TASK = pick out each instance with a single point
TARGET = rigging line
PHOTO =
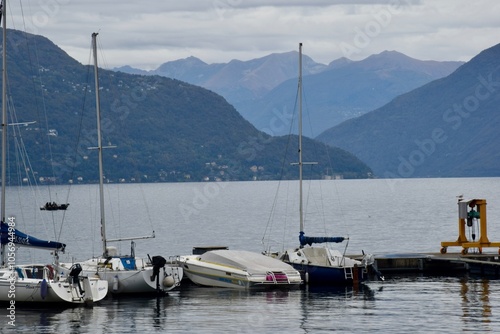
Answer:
(22, 160)
(330, 165)
(308, 113)
(282, 170)
(35, 75)
(116, 221)
(43, 134)
(94, 221)
(147, 207)
(318, 209)
(73, 162)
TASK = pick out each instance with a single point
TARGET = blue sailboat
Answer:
(321, 265)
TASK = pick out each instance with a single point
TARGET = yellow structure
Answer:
(469, 213)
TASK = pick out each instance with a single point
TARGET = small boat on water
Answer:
(53, 206)
(239, 270)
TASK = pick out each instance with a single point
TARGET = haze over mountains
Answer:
(404, 117)
(447, 128)
(264, 90)
(170, 130)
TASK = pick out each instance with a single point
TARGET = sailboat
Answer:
(126, 274)
(35, 283)
(41, 283)
(320, 265)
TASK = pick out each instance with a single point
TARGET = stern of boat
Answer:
(165, 278)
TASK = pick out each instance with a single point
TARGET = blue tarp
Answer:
(22, 239)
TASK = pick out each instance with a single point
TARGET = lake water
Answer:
(378, 216)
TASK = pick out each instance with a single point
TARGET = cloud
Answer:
(146, 34)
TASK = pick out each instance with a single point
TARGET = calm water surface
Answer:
(379, 216)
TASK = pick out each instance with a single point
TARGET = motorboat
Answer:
(239, 269)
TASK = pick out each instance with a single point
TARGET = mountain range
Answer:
(263, 90)
(446, 128)
(170, 130)
(164, 129)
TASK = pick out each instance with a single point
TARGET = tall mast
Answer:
(4, 117)
(301, 210)
(99, 145)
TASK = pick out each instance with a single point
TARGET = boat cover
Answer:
(253, 263)
(305, 240)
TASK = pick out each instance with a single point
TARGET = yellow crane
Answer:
(471, 212)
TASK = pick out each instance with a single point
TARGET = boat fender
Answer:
(307, 277)
(44, 287)
(115, 283)
(168, 281)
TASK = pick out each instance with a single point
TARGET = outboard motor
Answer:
(158, 262)
(369, 261)
(74, 272)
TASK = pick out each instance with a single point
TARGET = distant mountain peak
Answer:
(337, 63)
(445, 128)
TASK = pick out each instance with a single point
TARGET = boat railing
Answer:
(277, 277)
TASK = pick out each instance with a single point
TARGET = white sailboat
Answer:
(125, 274)
(34, 283)
(320, 265)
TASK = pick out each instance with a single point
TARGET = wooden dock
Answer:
(454, 264)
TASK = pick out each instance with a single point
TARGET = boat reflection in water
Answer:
(453, 304)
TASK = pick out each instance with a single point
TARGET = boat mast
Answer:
(99, 145)
(4, 117)
(301, 210)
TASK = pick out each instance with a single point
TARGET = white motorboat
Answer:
(239, 269)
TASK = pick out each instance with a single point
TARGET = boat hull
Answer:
(43, 290)
(321, 275)
(325, 266)
(140, 279)
(239, 270)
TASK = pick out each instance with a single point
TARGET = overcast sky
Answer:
(147, 33)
